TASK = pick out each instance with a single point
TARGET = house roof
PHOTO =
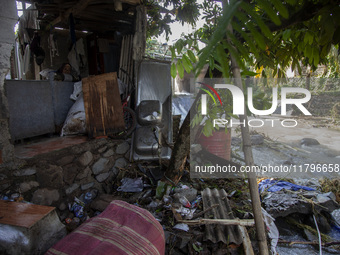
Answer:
(100, 16)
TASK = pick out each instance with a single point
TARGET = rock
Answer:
(71, 188)
(121, 163)
(3, 177)
(309, 142)
(51, 177)
(66, 160)
(87, 186)
(122, 148)
(256, 139)
(108, 154)
(86, 158)
(236, 141)
(83, 174)
(62, 206)
(100, 166)
(45, 196)
(102, 177)
(114, 171)
(101, 150)
(25, 172)
(70, 172)
(26, 186)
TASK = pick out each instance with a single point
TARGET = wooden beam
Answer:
(78, 7)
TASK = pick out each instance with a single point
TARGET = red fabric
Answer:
(121, 229)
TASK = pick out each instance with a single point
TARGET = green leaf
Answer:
(316, 56)
(173, 53)
(211, 62)
(179, 46)
(173, 70)
(191, 56)
(223, 60)
(281, 8)
(180, 69)
(218, 34)
(267, 7)
(250, 11)
(248, 73)
(187, 64)
(286, 34)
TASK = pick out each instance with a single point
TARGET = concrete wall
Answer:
(8, 19)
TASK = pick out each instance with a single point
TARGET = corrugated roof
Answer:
(219, 233)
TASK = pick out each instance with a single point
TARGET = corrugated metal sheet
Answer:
(219, 233)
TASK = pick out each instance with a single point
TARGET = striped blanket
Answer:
(121, 229)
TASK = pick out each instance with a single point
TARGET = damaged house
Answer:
(122, 97)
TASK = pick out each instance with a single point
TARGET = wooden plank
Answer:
(103, 107)
(22, 214)
(77, 8)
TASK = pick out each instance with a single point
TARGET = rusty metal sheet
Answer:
(219, 233)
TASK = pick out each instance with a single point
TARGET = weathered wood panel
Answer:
(103, 108)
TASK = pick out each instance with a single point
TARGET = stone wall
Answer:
(8, 18)
(56, 178)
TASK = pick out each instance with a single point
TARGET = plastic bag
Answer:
(77, 90)
(75, 120)
(131, 185)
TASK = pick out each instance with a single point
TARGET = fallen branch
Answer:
(308, 242)
(219, 221)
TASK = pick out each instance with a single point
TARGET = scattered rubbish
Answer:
(131, 185)
(186, 213)
(77, 208)
(68, 220)
(274, 185)
(185, 202)
(273, 232)
(161, 189)
(285, 202)
(182, 226)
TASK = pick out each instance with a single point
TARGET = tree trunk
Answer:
(181, 148)
(248, 154)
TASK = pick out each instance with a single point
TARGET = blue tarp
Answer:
(274, 185)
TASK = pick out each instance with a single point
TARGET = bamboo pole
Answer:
(227, 222)
(248, 154)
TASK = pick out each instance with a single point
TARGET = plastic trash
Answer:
(131, 185)
(77, 208)
(274, 185)
(185, 202)
(273, 232)
(196, 202)
(77, 89)
(182, 226)
(186, 213)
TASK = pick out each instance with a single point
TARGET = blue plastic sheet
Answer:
(274, 185)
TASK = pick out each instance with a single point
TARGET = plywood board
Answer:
(22, 214)
(103, 108)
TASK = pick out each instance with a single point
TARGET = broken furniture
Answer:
(121, 228)
(28, 228)
(103, 107)
(154, 112)
(37, 107)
